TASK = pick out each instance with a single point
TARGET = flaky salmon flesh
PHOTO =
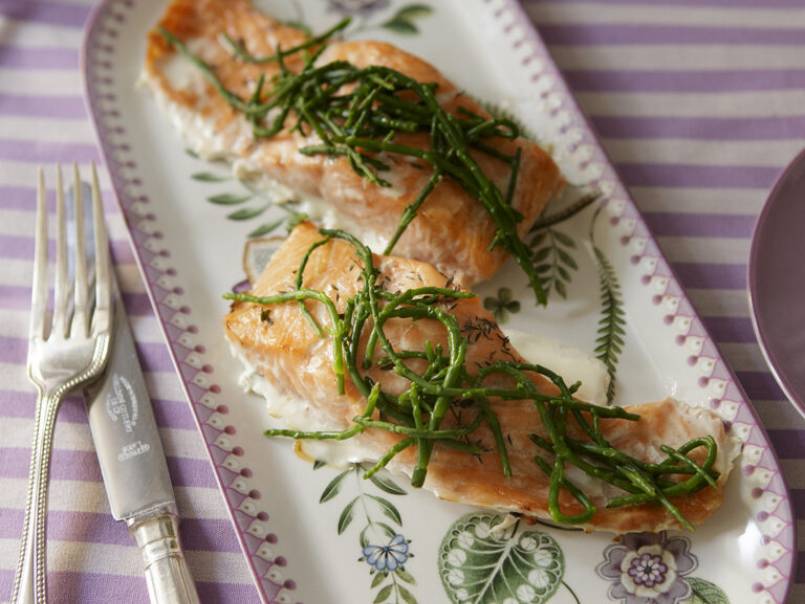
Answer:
(280, 345)
(452, 230)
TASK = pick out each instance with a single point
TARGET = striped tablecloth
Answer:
(699, 103)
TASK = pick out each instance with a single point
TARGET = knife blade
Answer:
(133, 464)
(124, 430)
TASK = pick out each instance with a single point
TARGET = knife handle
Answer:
(166, 572)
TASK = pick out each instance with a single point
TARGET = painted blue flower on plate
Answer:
(387, 558)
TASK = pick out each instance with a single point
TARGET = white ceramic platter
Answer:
(190, 253)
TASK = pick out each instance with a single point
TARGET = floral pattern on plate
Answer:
(382, 546)
(111, 63)
(654, 568)
(483, 559)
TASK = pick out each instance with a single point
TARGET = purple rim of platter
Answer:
(777, 281)
(202, 397)
(513, 21)
(758, 436)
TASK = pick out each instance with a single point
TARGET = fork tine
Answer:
(103, 278)
(81, 311)
(39, 291)
(61, 296)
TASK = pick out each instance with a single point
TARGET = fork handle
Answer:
(30, 582)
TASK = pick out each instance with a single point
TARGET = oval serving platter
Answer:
(299, 524)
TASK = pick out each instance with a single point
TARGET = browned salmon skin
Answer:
(452, 230)
(284, 350)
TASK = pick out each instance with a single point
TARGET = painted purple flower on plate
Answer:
(357, 7)
(648, 568)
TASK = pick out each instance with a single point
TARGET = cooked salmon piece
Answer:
(451, 231)
(294, 364)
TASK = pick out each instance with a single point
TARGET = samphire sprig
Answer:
(361, 113)
(573, 434)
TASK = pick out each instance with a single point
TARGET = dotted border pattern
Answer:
(727, 398)
(153, 258)
(759, 463)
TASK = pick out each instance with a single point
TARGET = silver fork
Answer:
(67, 348)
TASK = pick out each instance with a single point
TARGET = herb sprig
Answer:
(447, 385)
(360, 113)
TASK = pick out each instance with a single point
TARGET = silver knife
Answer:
(134, 469)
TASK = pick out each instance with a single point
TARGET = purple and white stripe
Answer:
(91, 557)
(700, 105)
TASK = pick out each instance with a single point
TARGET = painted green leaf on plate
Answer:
(266, 229)
(403, 20)
(385, 483)
(378, 579)
(406, 595)
(228, 199)
(482, 564)
(388, 509)
(247, 213)
(383, 594)
(705, 592)
(345, 518)
(401, 26)
(414, 10)
(208, 177)
(331, 490)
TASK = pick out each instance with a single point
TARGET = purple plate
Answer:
(777, 281)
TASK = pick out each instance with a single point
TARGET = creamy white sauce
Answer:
(326, 215)
(290, 412)
(196, 131)
(247, 170)
(571, 363)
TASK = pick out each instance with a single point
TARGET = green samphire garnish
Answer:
(358, 113)
(446, 385)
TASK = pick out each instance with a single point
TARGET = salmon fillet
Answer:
(281, 347)
(452, 230)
